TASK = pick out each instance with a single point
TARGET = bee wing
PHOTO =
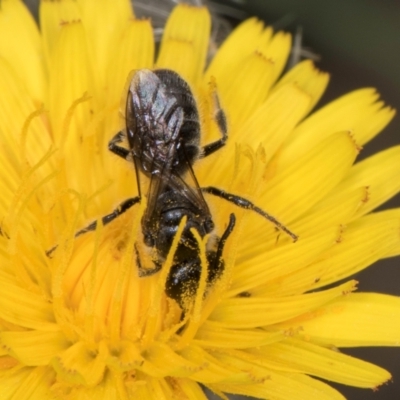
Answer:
(159, 108)
(161, 178)
(188, 185)
(158, 184)
(184, 183)
(153, 123)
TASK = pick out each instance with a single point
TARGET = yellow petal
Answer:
(308, 79)
(246, 39)
(22, 216)
(25, 138)
(113, 13)
(337, 209)
(278, 51)
(123, 332)
(358, 112)
(394, 252)
(329, 364)
(361, 319)
(261, 272)
(20, 45)
(69, 81)
(164, 361)
(184, 46)
(249, 312)
(153, 389)
(248, 88)
(188, 389)
(306, 180)
(361, 244)
(81, 364)
(52, 15)
(28, 384)
(269, 383)
(34, 348)
(214, 335)
(212, 369)
(13, 101)
(103, 28)
(276, 118)
(370, 172)
(22, 307)
(364, 242)
(135, 50)
(254, 64)
(125, 356)
(111, 388)
(273, 121)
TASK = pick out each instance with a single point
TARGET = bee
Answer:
(162, 139)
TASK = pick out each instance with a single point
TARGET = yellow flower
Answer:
(82, 324)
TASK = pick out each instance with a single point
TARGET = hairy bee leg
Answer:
(216, 263)
(220, 119)
(146, 271)
(123, 207)
(224, 237)
(248, 205)
(118, 150)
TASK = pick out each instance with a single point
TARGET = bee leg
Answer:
(220, 119)
(146, 271)
(248, 205)
(118, 150)
(123, 207)
(215, 260)
(224, 237)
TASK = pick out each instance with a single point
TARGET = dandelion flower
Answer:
(82, 324)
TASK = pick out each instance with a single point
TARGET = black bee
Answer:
(163, 141)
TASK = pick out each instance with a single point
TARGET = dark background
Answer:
(358, 42)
